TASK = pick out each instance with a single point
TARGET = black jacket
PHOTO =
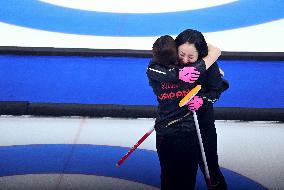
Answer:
(169, 90)
(212, 85)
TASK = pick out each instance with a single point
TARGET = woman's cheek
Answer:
(192, 60)
(183, 63)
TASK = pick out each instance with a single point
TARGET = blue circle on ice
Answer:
(39, 15)
(142, 166)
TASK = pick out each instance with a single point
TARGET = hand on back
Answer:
(189, 74)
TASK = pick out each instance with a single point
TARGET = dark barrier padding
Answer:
(130, 111)
(250, 114)
(91, 110)
(50, 51)
(14, 108)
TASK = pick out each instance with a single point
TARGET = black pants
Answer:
(209, 137)
(178, 155)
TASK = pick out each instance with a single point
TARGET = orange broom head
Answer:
(189, 96)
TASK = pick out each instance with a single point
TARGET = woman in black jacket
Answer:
(191, 48)
(176, 139)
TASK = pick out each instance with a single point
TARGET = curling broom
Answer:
(184, 101)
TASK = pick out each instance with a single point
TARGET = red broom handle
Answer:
(134, 147)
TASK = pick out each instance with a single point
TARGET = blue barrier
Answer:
(122, 80)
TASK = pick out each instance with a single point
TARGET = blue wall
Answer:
(122, 80)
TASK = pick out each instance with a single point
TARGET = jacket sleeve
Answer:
(214, 85)
(164, 74)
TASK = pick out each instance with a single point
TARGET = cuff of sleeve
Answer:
(201, 67)
(207, 100)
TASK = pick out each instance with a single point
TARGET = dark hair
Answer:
(165, 51)
(193, 37)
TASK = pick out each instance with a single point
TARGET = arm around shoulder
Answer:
(213, 54)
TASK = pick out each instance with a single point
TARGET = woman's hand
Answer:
(189, 74)
(195, 103)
